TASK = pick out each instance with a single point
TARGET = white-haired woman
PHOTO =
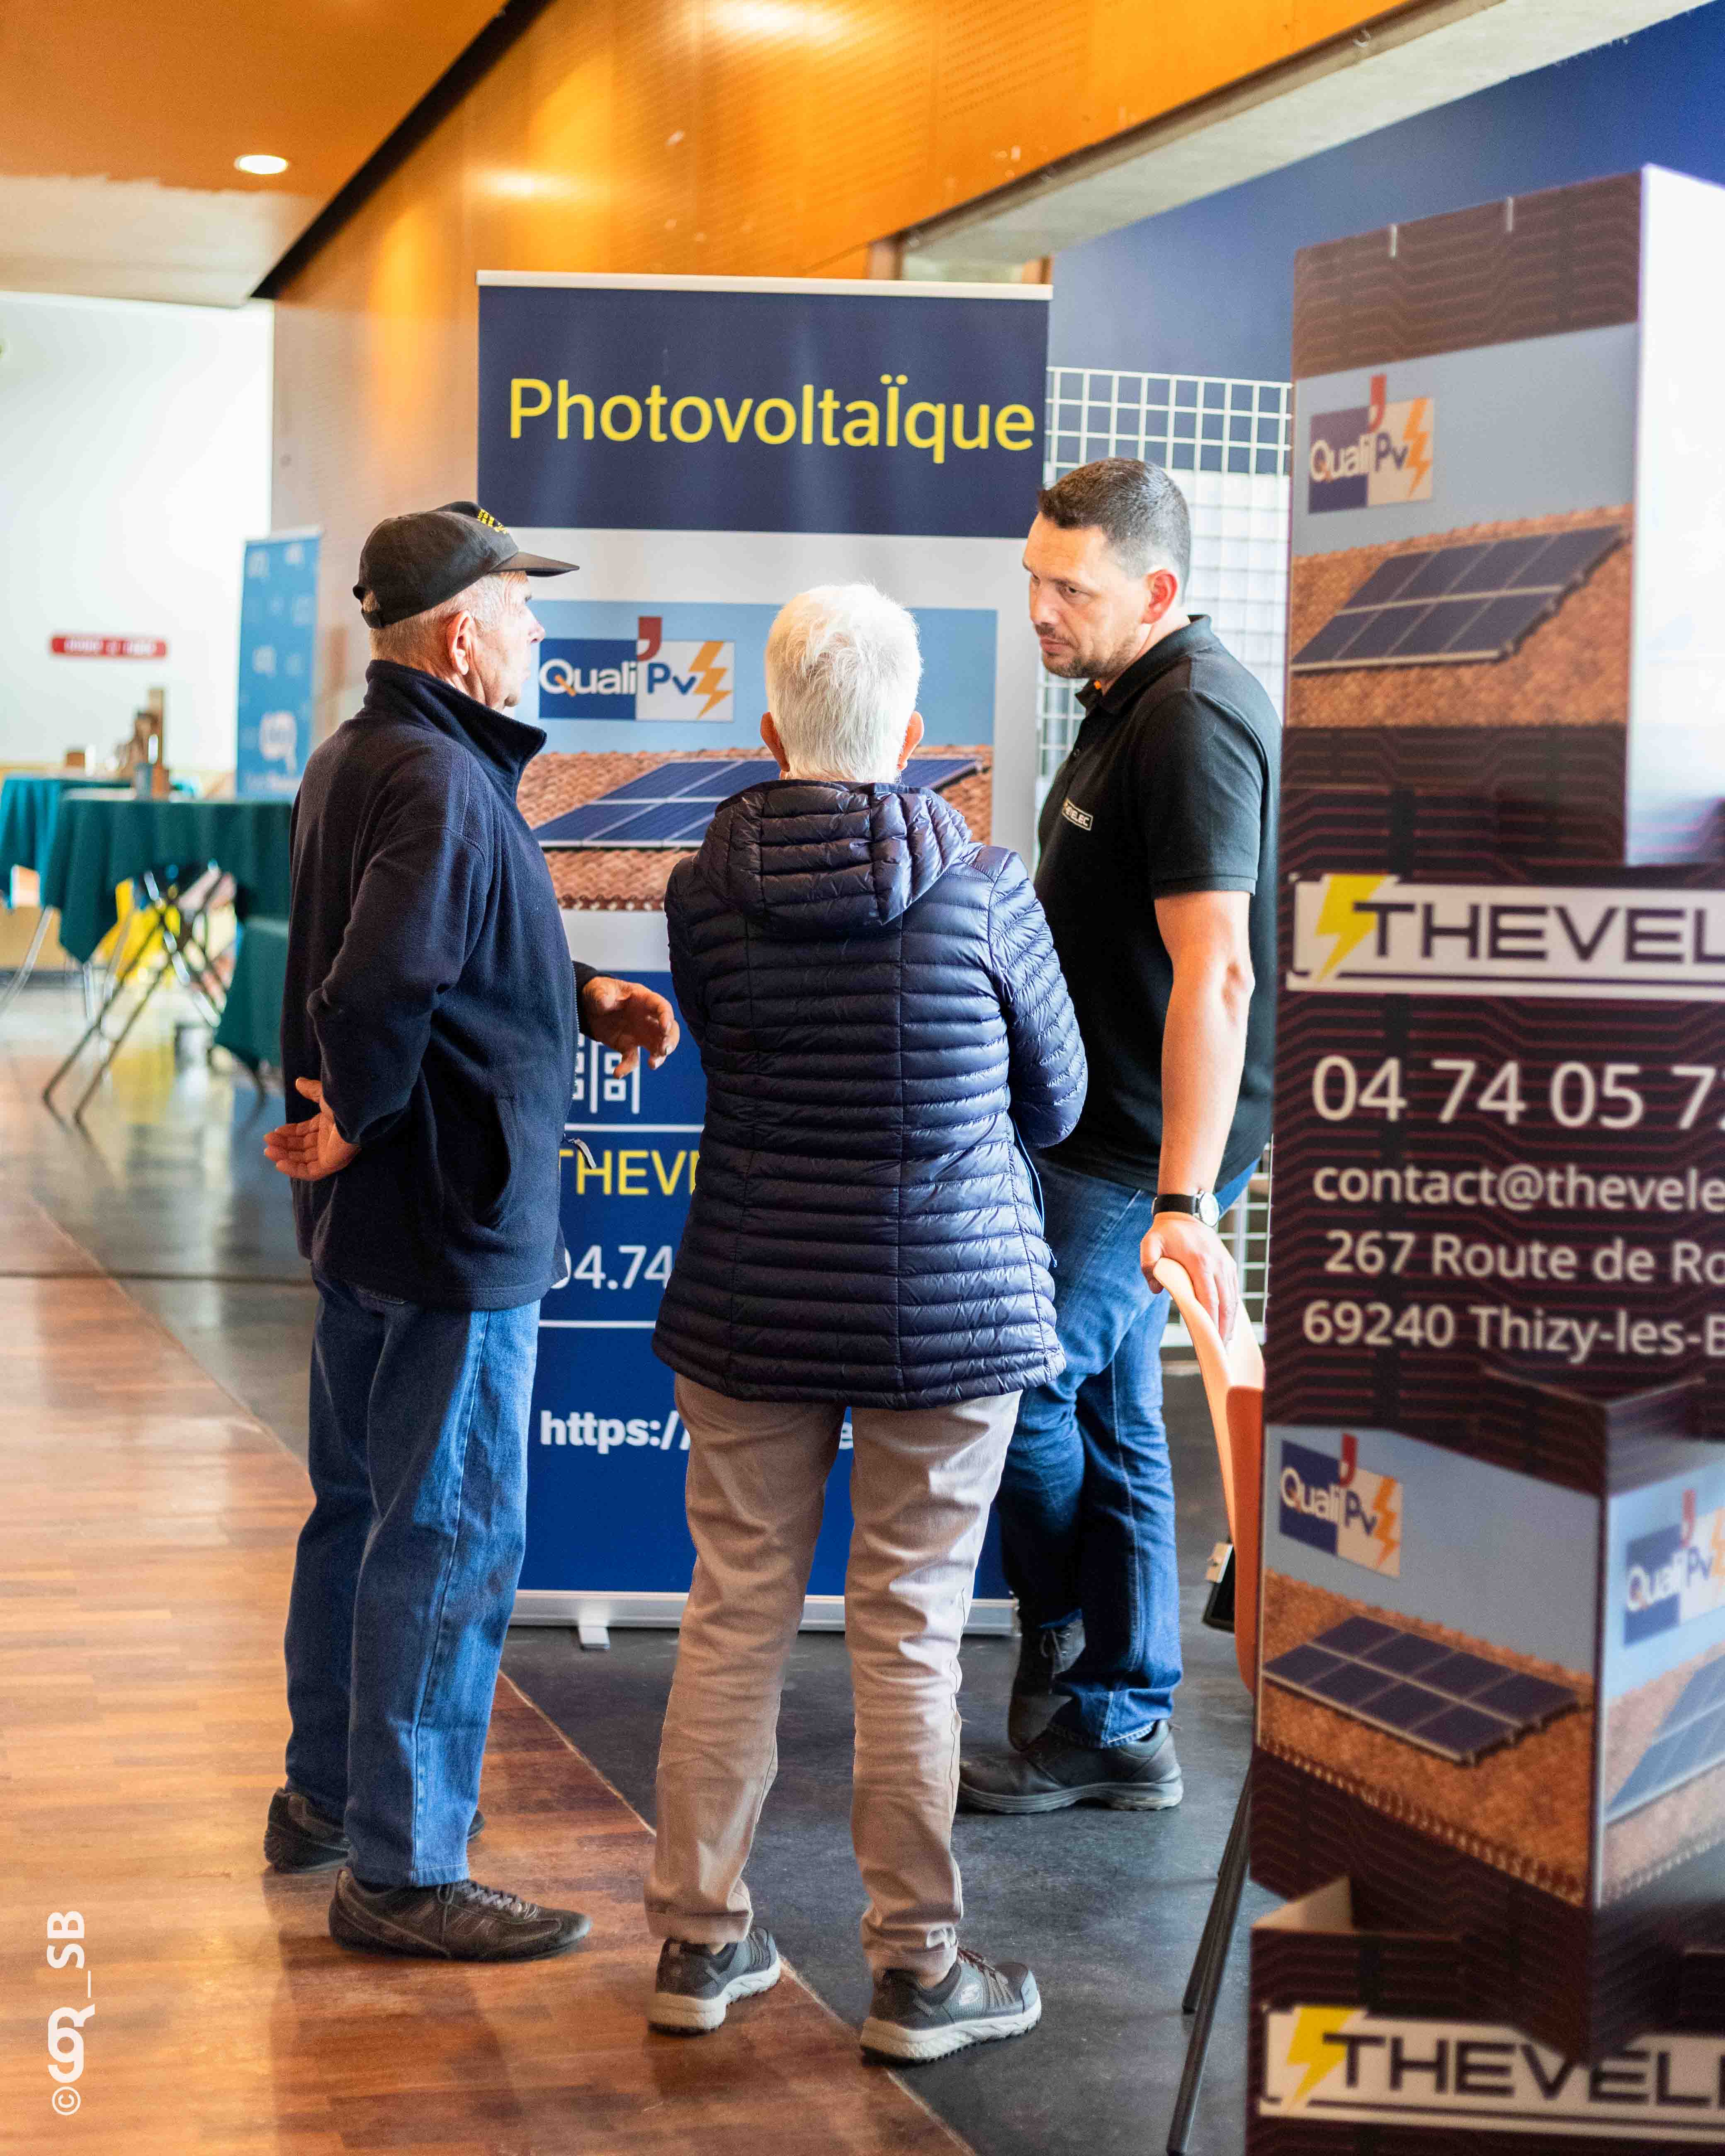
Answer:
(884, 1027)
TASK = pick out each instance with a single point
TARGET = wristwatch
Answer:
(1201, 1204)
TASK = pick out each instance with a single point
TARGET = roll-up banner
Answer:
(704, 448)
(278, 650)
(1492, 1682)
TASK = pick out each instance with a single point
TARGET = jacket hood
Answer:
(809, 857)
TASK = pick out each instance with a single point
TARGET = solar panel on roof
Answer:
(1386, 580)
(1565, 557)
(1501, 624)
(1379, 635)
(672, 805)
(1446, 626)
(1406, 1653)
(1687, 1743)
(1456, 605)
(669, 780)
(660, 822)
(1352, 1684)
(1446, 1699)
(720, 784)
(587, 826)
(1445, 570)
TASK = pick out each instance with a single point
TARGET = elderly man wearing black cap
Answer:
(428, 1035)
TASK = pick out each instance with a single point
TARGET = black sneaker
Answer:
(1055, 1771)
(974, 2003)
(1046, 1652)
(694, 1985)
(297, 1837)
(461, 1922)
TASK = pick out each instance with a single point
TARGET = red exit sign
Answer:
(108, 647)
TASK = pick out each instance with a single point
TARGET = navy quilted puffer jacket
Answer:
(884, 1025)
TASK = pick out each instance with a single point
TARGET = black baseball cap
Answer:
(412, 563)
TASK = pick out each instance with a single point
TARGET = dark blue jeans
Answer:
(1087, 1501)
(405, 1571)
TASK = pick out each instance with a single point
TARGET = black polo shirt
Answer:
(1171, 785)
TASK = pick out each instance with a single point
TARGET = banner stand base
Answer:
(592, 1614)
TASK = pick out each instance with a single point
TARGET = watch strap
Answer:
(1199, 1205)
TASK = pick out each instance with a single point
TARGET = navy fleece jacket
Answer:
(429, 987)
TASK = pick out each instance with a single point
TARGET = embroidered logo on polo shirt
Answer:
(1082, 817)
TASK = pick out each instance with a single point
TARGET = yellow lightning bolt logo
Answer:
(1339, 916)
(1310, 2047)
(1417, 435)
(1388, 1531)
(709, 677)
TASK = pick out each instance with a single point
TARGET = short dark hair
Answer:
(1138, 506)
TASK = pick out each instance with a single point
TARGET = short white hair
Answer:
(416, 641)
(842, 667)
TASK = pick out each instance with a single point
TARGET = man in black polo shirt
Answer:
(1157, 875)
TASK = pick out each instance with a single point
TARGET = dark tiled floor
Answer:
(167, 1188)
(1106, 1906)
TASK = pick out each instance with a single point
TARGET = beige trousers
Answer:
(920, 1486)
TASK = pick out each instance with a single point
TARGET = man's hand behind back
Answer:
(311, 1150)
(625, 1016)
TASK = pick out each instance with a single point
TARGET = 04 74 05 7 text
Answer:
(1574, 1095)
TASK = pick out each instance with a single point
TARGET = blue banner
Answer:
(776, 409)
(842, 431)
(625, 675)
(606, 1449)
(277, 643)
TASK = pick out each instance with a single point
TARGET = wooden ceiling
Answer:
(124, 118)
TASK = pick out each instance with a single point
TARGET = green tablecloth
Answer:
(101, 840)
(30, 809)
(251, 1020)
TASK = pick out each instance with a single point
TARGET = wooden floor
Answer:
(147, 1533)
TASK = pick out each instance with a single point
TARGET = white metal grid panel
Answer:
(1246, 1228)
(1228, 445)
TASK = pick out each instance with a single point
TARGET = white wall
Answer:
(134, 461)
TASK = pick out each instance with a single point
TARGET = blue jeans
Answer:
(406, 1570)
(1087, 1501)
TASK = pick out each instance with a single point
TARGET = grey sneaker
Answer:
(1057, 1771)
(694, 1985)
(974, 2003)
(298, 1837)
(461, 1922)
(1046, 1652)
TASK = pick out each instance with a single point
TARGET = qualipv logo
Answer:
(1371, 455)
(590, 677)
(1331, 1503)
(1675, 1574)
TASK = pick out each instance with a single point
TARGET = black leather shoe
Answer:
(461, 1922)
(297, 1837)
(1057, 1771)
(1046, 1652)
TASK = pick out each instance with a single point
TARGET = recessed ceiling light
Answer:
(260, 164)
